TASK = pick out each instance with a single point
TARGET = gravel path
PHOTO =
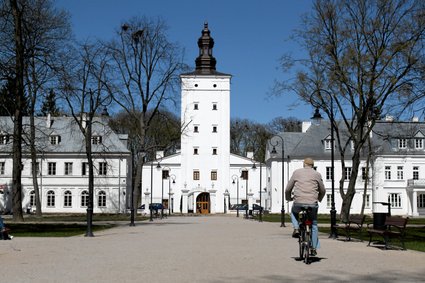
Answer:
(200, 249)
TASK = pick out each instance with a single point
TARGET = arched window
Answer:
(32, 198)
(50, 199)
(84, 199)
(67, 199)
(101, 201)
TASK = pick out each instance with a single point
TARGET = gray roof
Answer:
(71, 138)
(385, 137)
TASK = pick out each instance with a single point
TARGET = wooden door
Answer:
(203, 203)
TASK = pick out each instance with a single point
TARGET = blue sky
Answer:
(249, 35)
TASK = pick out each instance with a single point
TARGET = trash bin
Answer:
(379, 214)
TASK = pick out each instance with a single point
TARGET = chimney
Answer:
(415, 119)
(48, 121)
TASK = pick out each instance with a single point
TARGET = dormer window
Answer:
(419, 143)
(55, 139)
(4, 138)
(402, 143)
(96, 139)
(328, 144)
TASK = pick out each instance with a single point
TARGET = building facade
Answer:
(396, 170)
(204, 177)
(62, 168)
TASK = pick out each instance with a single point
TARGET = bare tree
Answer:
(47, 33)
(147, 66)
(364, 56)
(86, 92)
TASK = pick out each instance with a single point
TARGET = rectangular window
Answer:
(402, 143)
(214, 129)
(103, 168)
(55, 140)
(2, 168)
(214, 151)
(328, 200)
(419, 143)
(214, 107)
(51, 168)
(395, 200)
(196, 129)
(85, 168)
(328, 144)
(196, 175)
(96, 139)
(67, 200)
(421, 200)
(244, 175)
(387, 172)
(195, 151)
(400, 174)
(415, 172)
(165, 174)
(4, 139)
(328, 173)
(195, 106)
(214, 175)
(68, 168)
(347, 173)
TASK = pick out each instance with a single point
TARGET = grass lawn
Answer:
(415, 233)
(64, 225)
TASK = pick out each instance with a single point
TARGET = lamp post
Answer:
(274, 152)
(172, 177)
(317, 117)
(158, 166)
(165, 175)
(244, 175)
(235, 177)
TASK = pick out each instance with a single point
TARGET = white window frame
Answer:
(347, 173)
(2, 168)
(387, 172)
(419, 143)
(395, 200)
(68, 168)
(51, 198)
(51, 168)
(101, 199)
(402, 143)
(67, 199)
(103, 168)
(328, 144)
(400, 173)
(415, 172)
(84, 198)
(328, 173)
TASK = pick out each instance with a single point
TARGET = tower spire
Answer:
(205, 63)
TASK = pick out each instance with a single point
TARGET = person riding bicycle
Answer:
(306, 189)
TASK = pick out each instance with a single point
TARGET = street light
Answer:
(158, 166)
(172, 177)
(236, 177)
(244, 175)
(165, 175)
(274, 152)
(317, 117)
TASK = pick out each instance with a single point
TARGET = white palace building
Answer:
(204, 177)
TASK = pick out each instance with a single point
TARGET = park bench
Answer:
(394, 227)
(354, 225)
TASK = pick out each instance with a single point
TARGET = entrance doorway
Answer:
(203, 203)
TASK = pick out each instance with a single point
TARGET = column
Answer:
(213, 200)
(184, 200)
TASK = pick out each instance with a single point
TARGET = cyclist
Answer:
(306, 189)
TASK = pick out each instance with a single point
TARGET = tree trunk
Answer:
(17, 124)
(34, 164)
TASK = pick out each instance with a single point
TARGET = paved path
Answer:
(200, 249)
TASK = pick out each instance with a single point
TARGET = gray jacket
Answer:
(305, 186)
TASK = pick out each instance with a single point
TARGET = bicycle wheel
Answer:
(307, 248)
(301, 245)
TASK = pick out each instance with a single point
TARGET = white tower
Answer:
(205, 140)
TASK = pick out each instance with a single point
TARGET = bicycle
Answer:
(305, 239)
